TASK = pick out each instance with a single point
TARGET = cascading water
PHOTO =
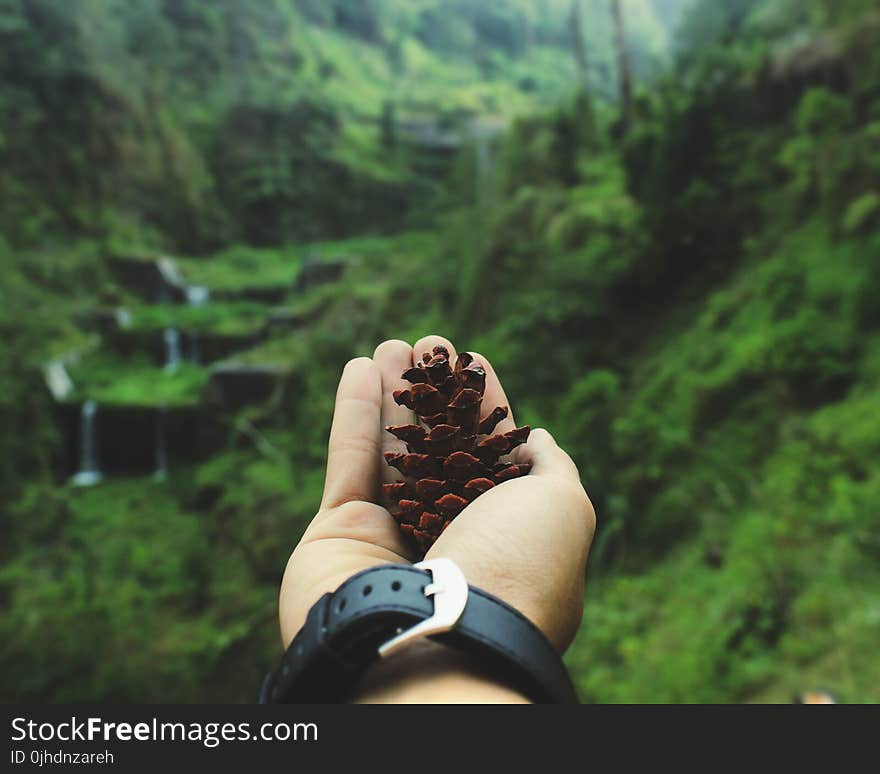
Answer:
(172, 349)
(161, 471)
(88, 473)
(484, 162)
(482, 135)
(197, 295)
(485, 172)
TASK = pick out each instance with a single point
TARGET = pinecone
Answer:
(449, 462)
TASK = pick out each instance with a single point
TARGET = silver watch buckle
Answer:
(449, 588)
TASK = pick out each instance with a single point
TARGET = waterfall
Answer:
(197, 295)
(161, 472)
(88, 473)
(482, 134)
(485, 153)
(484, 163)
(172, 349)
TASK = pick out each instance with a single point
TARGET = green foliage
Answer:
(230, 318)
(862, 212)
(829, 158)
(137, 383)
(150, 611)
(193, 125)
(35, 326)
(690, 310)
(241, 267)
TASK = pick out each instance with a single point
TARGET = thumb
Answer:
(546, 458)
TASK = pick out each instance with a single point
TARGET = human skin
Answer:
(525, 541)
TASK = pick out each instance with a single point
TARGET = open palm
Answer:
(526, 540)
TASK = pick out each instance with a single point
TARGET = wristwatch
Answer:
(380, 610)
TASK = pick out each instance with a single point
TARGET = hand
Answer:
(525, 541)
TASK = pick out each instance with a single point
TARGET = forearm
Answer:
(429, 673)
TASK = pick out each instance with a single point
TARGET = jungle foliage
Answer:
(688, 303)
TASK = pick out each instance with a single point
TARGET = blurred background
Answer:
(660, 219)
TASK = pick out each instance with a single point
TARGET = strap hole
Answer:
(395, 586)
(368, 590)
(342, 604)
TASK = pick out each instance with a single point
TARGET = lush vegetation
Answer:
(686, 298)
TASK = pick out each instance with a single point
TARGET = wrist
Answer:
(427, 672)
(359, 643)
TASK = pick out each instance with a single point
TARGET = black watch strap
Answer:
(344, 631)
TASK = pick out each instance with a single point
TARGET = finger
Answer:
(546, 458)
(494, 396)
(427, 344)
(392, 358)
(354, 449)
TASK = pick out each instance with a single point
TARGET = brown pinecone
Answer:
(450, 461)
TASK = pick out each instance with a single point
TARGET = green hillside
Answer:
(196, 194)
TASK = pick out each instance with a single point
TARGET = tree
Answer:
(623, 67)
(580, 52)
(583, 111)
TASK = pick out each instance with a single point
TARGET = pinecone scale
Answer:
(452, 456)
